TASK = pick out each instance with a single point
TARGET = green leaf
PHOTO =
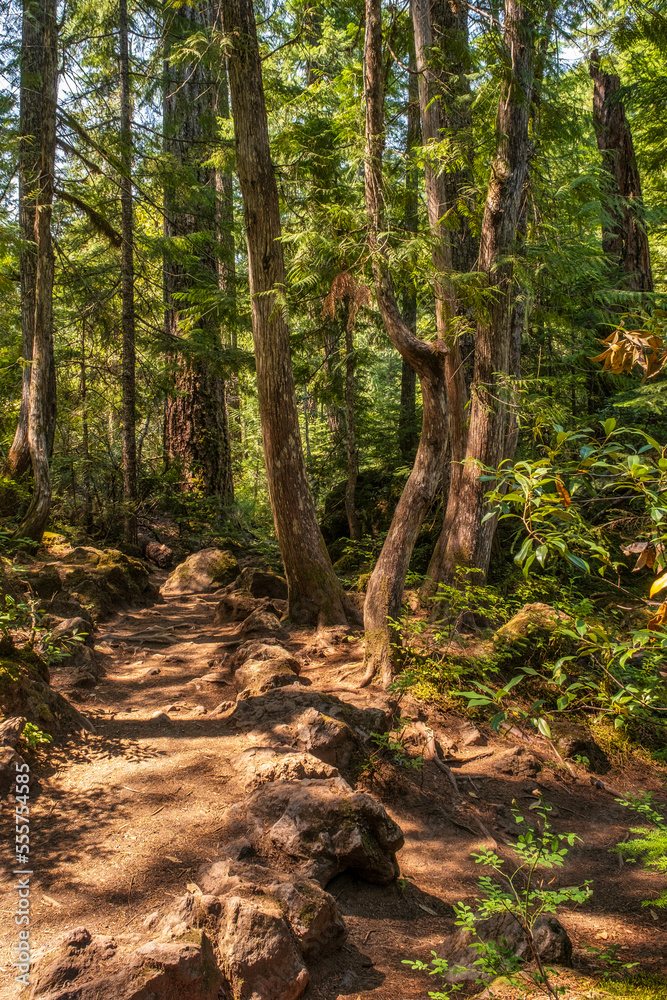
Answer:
(541, 553)
(543, 727)
(609, 425)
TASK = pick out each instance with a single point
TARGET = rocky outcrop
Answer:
(517, 763)
(258, 765)
(256, 677)
(504, 931)
(261, 583)
(321, 826)
(201, 572)
(238, 607)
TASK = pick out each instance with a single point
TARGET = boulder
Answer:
(25, 691)
(574, 741)
(329, 739)
(517, 763)
(531, 618)
(284, 709)
(503, 929)
(238, 607)
(270, 649)
(69, 627)
(321, 825)
(257, 677)
(258, 765)
(203, 571)
(104, 581)
(259, 625)
(87, 967)
(261, 583)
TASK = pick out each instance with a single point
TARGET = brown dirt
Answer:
(121, 820)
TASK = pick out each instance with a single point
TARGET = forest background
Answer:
(286, 272)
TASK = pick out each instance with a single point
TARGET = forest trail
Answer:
(123, 818)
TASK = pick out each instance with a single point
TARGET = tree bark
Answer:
(127, 287)
(442, 197)
(385, 588)
(354, 525)
(315, 594)
(408, 433)
(18, 459)
(469, 541)
(624, 237)
(196, 430)
(41, 371)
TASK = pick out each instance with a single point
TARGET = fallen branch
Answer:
(599, 783)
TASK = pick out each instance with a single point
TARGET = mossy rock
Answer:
(25, 691)
(206, 570)
(104, 581)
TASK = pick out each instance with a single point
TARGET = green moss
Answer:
(640, 987)
(10, 673)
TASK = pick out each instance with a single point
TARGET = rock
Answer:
(238, 607)
(25, 691)
(84, 679)
(254, 649)
(285, 707)
(549, 936)
(8, 761)
(203, 571)
(41, 578)
(573, 741)
(73, 626)
(104, 581)
(258, 765)
(86, 967)
(159, 554)
(536, 617)
(329, 739)
(471, 737)
(322, 824)
(259, 676)
(160, 718)
(260, 583)
(517, 763)
(10, 731)
(221, 709)
(220, 676)
(199, 710)
(151, 672)
(260, 624)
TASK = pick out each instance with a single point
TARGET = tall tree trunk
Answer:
(196, 430)
(385, 588)
(315, 593)
(127, 287)
(624, 237)
(42, 348)
(18, 461)
(469, 542)
(408, 433)
(354, 525)
(86, 507)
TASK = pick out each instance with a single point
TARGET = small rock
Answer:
(199, 710)
(471, 737)
(217, 677)
(84, 679)
(158, 718)
(79, 937)
(517, 763)
(220, 709)
(260, 624)
(330, 739)
(8, 761)
(259, 676)
(151, 672)
(258, 765)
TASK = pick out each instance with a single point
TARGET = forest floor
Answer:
(122, 819)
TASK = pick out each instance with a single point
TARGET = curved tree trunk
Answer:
(17, 462)
(315, 594)
(385, 588)
(42, 348)
(469, 541)
(196, 429)
(408, 431)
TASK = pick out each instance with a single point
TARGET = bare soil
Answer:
(122, 819)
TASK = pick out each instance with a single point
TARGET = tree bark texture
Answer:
(315, 594)
(624, 237)
(354, 525)
(41, 370)
(408, 432)
(442, 198)
(385, 588)
(196, 430)
(18, 463)
(127, 286)
(469, 541)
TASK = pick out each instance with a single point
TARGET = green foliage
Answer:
(22, 621)
(650, 844)
(521, 893)
(391, 747)
(33, 736)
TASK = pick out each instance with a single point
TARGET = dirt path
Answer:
(126, 816)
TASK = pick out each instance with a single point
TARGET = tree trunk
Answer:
(127, 287)
(469, 542)
(385, 588)
(624, 237)
(408, 433)
(42, 348)
(442, 199)
(315, 593)
(18, 459)
(196, 430)
(354, 525)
